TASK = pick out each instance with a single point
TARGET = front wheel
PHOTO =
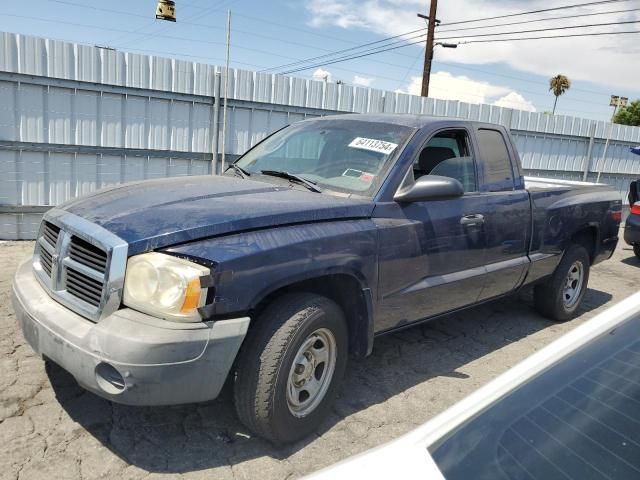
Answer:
(290, 367)
(561, 294)
(636, 250)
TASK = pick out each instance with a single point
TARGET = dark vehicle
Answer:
(632, 223)
(324, 235)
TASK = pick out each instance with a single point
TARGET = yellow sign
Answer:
(166, 10)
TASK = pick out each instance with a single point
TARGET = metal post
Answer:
(587, 160)
(216, 121)
(226, 93)
(604, 153)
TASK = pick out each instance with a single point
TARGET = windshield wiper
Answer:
(294, 178)
(243, 173)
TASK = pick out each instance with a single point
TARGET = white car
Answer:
(570, 411)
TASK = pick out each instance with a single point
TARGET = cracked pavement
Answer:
(51, 428)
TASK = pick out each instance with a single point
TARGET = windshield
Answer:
(580, 419)
(347, 156)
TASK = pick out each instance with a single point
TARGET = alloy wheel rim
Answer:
(573, 284)
(311, 372)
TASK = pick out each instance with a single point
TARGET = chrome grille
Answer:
(80, 264)
(87, 254)
(51, 233)
(46, 261)
(84, 287)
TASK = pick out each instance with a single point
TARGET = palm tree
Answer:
(558, 84)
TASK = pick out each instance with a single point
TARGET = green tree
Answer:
(558, 85)
(629, 115)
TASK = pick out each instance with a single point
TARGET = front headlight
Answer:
(165, 286)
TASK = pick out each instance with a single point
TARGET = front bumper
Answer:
(129, 357)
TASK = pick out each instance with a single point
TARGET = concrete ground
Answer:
(51, 428)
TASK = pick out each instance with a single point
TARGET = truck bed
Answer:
(543, 183)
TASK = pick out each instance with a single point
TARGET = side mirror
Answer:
(430, 187)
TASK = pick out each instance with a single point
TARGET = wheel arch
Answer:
(344, 287)
(587, 236)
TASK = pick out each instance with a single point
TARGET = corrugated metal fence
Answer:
(75, 118)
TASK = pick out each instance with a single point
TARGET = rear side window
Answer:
(498, 174)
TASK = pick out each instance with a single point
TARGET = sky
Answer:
(268, 35)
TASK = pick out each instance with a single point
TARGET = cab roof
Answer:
(404, 119)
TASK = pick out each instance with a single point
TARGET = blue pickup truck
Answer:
(324, 235)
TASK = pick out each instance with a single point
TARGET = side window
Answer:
(498, 174)
(448, 154)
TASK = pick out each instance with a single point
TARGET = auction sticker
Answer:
(373, 145)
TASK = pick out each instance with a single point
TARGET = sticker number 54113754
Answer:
(373, 145)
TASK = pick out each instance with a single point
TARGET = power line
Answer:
(568, 27)
(386, 39)
(332, 54)
(531, 12)
(594, 34)
(548, 19)
(404, 79)
(353, 57)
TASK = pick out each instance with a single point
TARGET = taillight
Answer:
(635, 209)
(617, 216)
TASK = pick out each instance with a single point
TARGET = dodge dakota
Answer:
(321, 237)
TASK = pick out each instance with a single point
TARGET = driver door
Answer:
(432, 252)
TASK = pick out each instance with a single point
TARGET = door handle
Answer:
(470, 220)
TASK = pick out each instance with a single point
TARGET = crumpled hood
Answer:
(157, 213)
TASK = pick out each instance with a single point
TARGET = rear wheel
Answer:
(636, 250)
(561, 294)
(290, 367)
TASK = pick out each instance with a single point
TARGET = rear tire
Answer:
(290, 367)
(560, 295)
(636, 250)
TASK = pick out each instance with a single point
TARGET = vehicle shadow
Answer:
(188, 438)
(632, 261)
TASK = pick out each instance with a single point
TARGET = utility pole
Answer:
(616, 102)
(428, 52)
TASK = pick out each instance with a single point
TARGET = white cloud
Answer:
(607, 60)
(515, 100)
(449, 87)
(323, 75)
(446, 86)
(362, 81)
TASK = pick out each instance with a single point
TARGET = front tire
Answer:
(636, 250)
(560, 295)
(290, 367)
